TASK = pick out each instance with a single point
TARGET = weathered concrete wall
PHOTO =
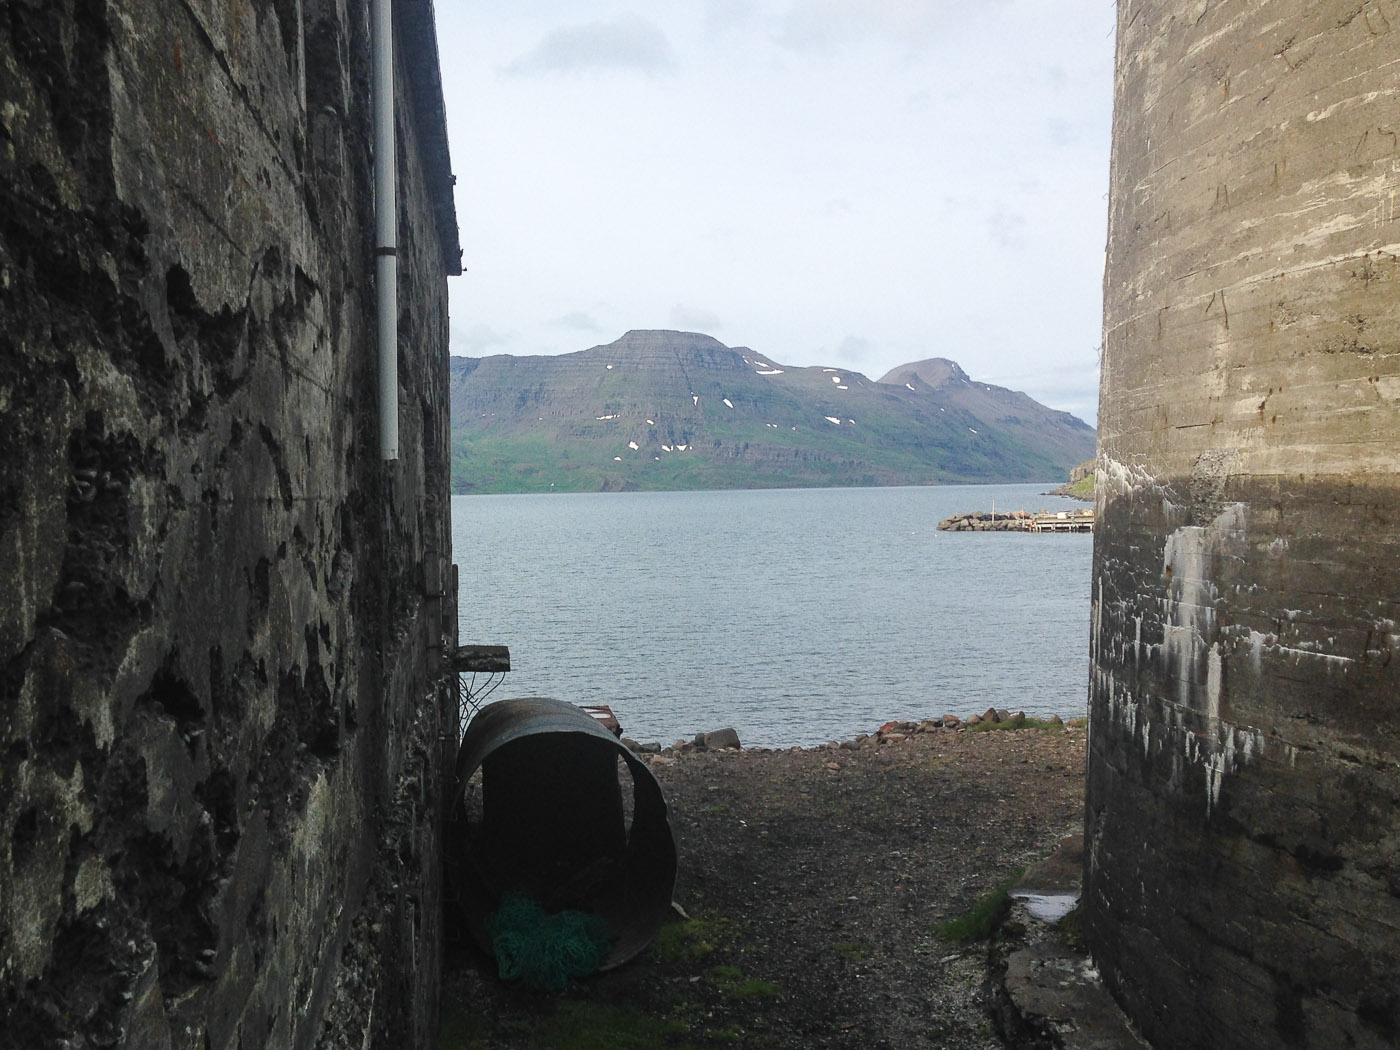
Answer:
(1243, 883)
(219, 704)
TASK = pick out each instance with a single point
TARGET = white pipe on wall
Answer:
(386, 225)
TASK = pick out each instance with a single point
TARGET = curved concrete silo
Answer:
(1243, 818)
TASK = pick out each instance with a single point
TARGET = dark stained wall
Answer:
(221, 703)
(1243, 880)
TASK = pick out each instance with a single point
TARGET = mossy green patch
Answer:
(692, 939)
(1070, 928)
(1083, 488)
(1044, 725)
(979, 923)
(732, 982)
(851, 951)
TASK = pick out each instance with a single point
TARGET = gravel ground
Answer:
(815, 882)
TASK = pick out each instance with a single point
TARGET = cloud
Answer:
(1072, 386)
(824, 25)
(1061, 132)
(855, 349)
(476, 339)
(578, 321)
(694, 319)
(722, 16)
(628, 42)
(1007, 229)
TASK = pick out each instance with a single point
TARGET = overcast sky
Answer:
(851, 183)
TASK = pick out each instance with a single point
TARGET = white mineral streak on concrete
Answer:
(1257, 642)
(1193, 654)
(1096, 621)
(1354, 100)
(830, 419)
(1189, 626)
(1305, 650)
(1213, 682)
(1121, 479)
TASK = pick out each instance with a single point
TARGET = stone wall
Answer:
(221, 705)
(1243, 817)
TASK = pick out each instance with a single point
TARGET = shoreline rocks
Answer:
(892, 732)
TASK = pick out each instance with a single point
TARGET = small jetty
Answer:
(1020, 521)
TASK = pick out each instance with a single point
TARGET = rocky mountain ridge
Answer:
(680, 410)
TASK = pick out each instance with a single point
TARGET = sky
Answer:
(845, 183)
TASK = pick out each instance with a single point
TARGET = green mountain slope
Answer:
(679, 410)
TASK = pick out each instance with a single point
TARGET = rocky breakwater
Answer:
(1020, 521)
(988, 521)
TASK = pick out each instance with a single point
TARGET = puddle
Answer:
(1047, 907)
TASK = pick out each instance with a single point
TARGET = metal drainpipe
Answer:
(386, 225)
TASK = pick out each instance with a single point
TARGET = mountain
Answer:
(680, 410)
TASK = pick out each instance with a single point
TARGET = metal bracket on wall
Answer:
(490, 660)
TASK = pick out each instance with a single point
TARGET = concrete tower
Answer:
(1243, 884)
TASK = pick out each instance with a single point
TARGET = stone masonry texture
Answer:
(1243, 812)
(221, 703)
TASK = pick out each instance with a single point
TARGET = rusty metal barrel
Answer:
(538, 810)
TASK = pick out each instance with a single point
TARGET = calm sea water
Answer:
(796, 616)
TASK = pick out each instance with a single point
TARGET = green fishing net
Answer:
(545, 950)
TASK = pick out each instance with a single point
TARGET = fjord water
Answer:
(797, 616)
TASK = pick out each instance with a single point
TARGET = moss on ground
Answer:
(851, 951)
(1044, 725)
(732, 982)
(692, 939)
(979, 923)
